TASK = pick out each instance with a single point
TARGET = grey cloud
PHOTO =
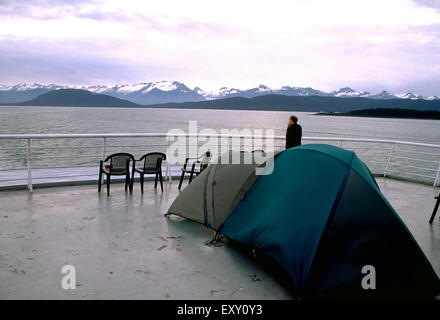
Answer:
(428, 3)
(362, 42)
(25, 61)
(56, 9)
(146, 22)
(187, 27)
(403, 64)
(104, 16)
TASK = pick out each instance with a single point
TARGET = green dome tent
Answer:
(322, 217)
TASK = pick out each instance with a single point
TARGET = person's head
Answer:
(293, 119)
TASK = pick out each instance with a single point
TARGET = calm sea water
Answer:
(30, 120)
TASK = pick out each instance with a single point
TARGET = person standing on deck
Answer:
(293, 133)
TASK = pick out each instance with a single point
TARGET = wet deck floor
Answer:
(122, 246)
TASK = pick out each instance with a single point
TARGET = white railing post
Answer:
(168, 173)
(103, 158)
(389, 160)
(103, 149)
(29, 166)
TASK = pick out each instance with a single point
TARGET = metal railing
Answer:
(399, 159)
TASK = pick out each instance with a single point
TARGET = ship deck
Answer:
(122, 247)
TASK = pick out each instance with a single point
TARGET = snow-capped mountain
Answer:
(95, 89)
(145, 93)
(383, 95)
(27, 87)
(23, 92)
(226, 92)
(151, 92)
(348, 92)
(298, 91)
(411, 96)
(141, 93)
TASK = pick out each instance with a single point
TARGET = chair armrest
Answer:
(197, 160)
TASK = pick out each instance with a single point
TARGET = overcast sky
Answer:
(367, 45)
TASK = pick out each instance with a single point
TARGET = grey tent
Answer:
(211, 197)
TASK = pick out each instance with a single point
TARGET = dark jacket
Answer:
(293, 136)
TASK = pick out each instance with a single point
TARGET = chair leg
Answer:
(108, 184)
(155, 181)
(132, 179)
(130, 182)
(161, 182)
(100, 180)
(181, 179)
(192, 173)
(126, 182)
(100, 175)
(142, 183)
(435, 209)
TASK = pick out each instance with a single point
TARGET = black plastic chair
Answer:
(202, 162)
(151, 164)
(118, 165)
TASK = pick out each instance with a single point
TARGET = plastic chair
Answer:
(152, 164)
(202, 162)
(118, 165)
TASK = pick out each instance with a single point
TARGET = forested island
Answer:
(387, 113)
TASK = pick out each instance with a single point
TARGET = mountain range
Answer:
(313, 103)
(280, 102)
(147, 93)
